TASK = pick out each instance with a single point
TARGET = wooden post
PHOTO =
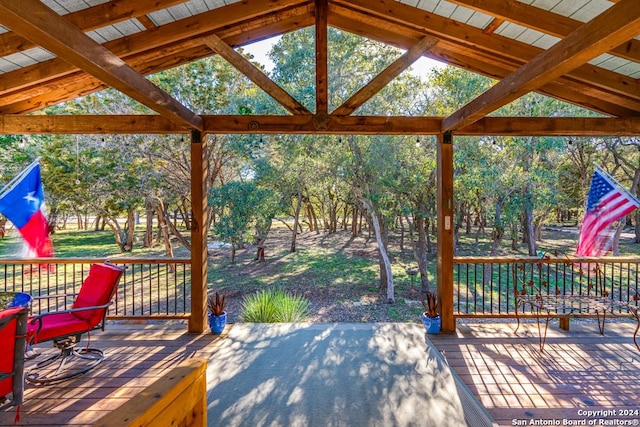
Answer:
(199, 172)
(322, 81)
(445, 230)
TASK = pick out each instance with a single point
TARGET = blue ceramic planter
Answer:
(431, 324)
(217, 323)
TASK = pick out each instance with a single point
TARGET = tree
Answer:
(241, 205)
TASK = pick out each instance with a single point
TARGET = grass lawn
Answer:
(336, 273)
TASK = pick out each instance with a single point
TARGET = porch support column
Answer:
(199, 171)
(445, 230)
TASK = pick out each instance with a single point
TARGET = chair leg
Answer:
(69, 363)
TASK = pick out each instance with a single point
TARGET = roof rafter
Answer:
(255, 75)
(91, 18)
(541, 20)
(53, 91)
(385, 77)
(610, 29)
(43, 26)
(480, 61)
(456, 36)
(219, 21)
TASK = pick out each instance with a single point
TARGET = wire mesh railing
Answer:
(486, 286)
(157, 288)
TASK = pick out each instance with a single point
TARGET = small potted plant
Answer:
(431, 316)
(217, 314)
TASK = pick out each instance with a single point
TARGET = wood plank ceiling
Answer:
(586, 52)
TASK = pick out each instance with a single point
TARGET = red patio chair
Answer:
(66, 327)
(13, 328)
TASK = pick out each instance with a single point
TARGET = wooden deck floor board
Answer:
(135, 357)
(579, 370)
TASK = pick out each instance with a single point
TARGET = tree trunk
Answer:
(296, 218)
(615, 244)
(233, 251)
(131, 230)
(148, 234)
(162, 224)
(420, 225)
(530, 232)
(382, 250)
(354, 222)
(118, 233)
(401, 234)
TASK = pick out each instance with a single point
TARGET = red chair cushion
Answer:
(56, 325)
(97, 289)
(8, 345)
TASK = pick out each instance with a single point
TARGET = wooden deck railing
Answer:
(161, 288)
(158, 288)
(484, 286)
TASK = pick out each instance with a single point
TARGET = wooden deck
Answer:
(579, 371)
(135, 357)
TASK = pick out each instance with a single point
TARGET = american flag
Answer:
(606, 204)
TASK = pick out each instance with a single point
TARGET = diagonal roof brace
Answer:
(255, 75)
(385, 77)
(610, 29)
(36, 22)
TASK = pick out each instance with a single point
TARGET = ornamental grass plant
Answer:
(274, 306)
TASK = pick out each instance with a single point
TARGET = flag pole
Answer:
(18, 177)
(635, 199)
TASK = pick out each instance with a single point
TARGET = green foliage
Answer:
(216, 304)
(241, 205)
(274, 306)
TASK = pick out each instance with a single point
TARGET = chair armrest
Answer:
(53, 296)
(38, 318)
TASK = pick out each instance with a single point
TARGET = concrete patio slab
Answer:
(333, 375)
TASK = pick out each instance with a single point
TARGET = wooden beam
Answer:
(146, 21)
(613, 27)
(255, 75)
(34, 20)
(363, 125)
(199, 194)
(543, 21)
(88, 125)
(554, 126)
(493, 26)
(322, 62)
(385, 77)
(444, 209)
(91, 18)
(322, 124)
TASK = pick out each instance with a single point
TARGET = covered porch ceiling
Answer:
(586, 52)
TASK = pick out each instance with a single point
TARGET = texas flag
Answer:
(22, 202)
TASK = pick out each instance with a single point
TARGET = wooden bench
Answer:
(179, 398)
